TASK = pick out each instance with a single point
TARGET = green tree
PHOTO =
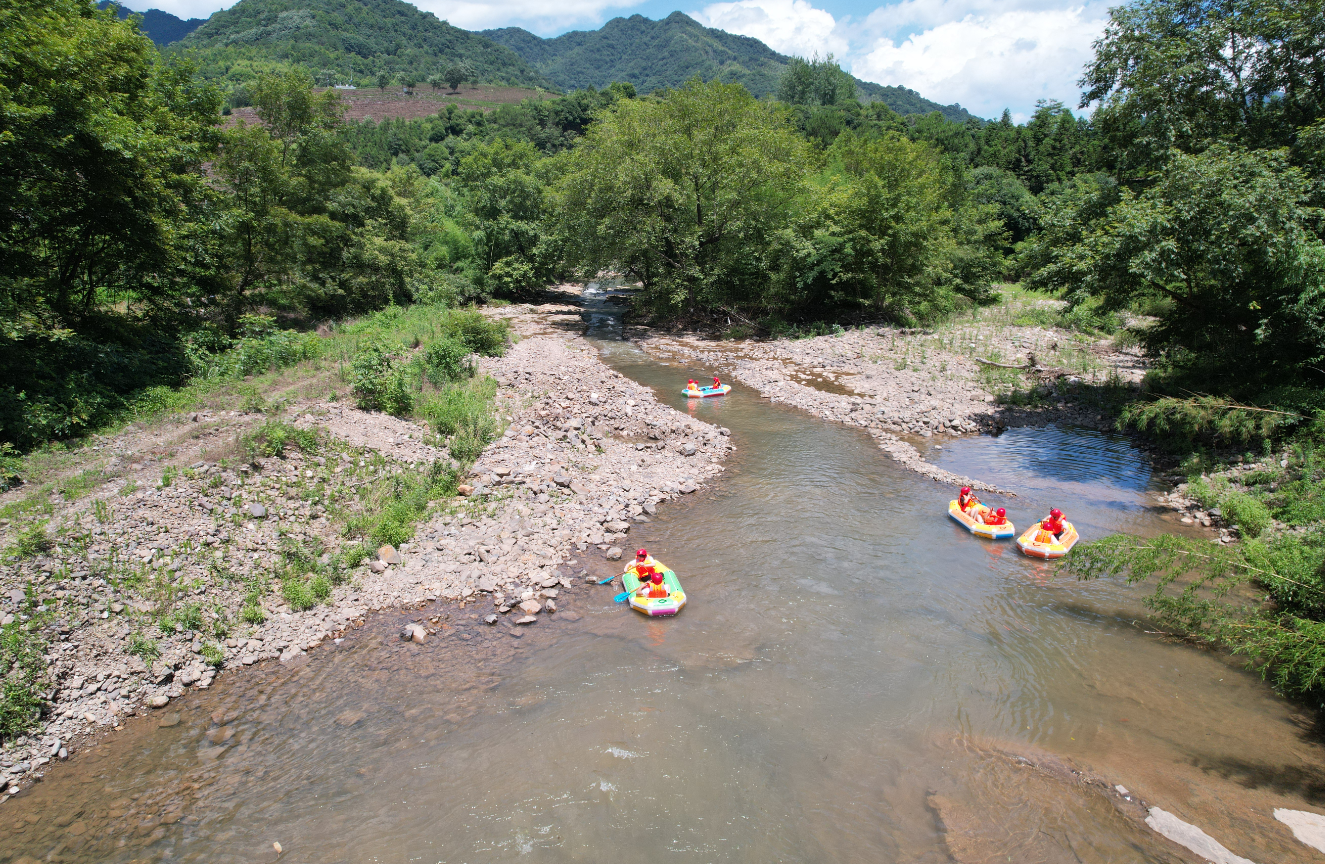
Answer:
(455, 75)
(1224, 239)
(683, 192)
(101, 148)
(815, 82)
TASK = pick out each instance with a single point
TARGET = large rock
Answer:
(1309, 828)
(687, 449)
(617, 527)
(1192, 838)
(256, 510)
(388, 555)
(614, 554)
(487, 582)
(413, 633)
(531, 607)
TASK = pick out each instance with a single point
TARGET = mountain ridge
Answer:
(343, 40)
(667, 52)
(161, 27)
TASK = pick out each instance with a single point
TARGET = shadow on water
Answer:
(855, 678)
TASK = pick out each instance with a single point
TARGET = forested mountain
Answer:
(667, 53)
(161, 27)
(335, 39)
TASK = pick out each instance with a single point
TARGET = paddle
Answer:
(608, 579)
(622, 597)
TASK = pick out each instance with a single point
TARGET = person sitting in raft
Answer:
(1054, 524)
(998, 517)
(717, 385)
(656, 587)
(966, 500)
(692, 384)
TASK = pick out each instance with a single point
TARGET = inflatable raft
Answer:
(673, 601)
(979, 529)
(1039, 543)
(707, 391)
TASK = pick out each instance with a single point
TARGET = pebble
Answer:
(530, 607)
(490, 619)
(256, 510)
(528, 619)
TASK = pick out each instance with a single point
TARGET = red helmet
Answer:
(1002, 512)
(1056, 513)
(657, 578)
(641, 554)
(966, 490)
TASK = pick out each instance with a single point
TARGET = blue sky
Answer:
(985, 54)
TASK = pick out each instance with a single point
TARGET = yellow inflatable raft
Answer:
(1039, 543)
(672, 598)
(1006, 531)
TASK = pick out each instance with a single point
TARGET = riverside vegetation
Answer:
(152, 258)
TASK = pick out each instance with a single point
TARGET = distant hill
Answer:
(340, 39)
(654, 54)
(161, 27)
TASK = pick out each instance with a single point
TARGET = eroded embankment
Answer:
(144, 593)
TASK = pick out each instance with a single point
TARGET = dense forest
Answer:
(144, 243)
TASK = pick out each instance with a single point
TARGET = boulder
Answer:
(388, 555)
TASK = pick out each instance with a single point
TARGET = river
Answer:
(856, 678)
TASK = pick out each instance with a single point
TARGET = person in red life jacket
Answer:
(717, 385)
(998, 517)
(966, 500)
(656, 586)
(692, 384)
(1054, 524)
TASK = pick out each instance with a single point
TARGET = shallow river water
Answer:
(855, 679)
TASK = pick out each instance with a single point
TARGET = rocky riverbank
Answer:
(156, 568)
(903, 386)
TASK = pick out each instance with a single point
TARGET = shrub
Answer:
(141, 646)
(22, 666)
(320, 588)
(464, 414)
(1300, 502)
(212, 654)
(272, 437)
(253, 614)
(1250, 515)
(379, 381)
(297, 593)
(444, 361)
(482, 335)
(31, 541)
(10, 467)
(513, 276)
(190, 616)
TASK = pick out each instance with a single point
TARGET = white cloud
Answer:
(787, 26)
(989, 62)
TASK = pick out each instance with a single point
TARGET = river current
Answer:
(856, 678)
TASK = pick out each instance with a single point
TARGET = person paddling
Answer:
(1054, 524)
(692, 384)
(717, 385)
(998, 517)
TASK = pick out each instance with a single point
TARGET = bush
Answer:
(320, 588)
(30, 542)
(272, 437)
(141, 646)
(297, 593)
(379, 381)
(10, 466)
(480, 334)
(23, 666)
(1299, 502)
(212, 655)
(1250, 515)
(393, 505)
(253, 614)
(513, 276)
(444, 361)
(464, 415)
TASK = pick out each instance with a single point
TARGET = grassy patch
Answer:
(23, 667)
(30, 542)
(273, 437)
(390, 506)
(462, 414)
